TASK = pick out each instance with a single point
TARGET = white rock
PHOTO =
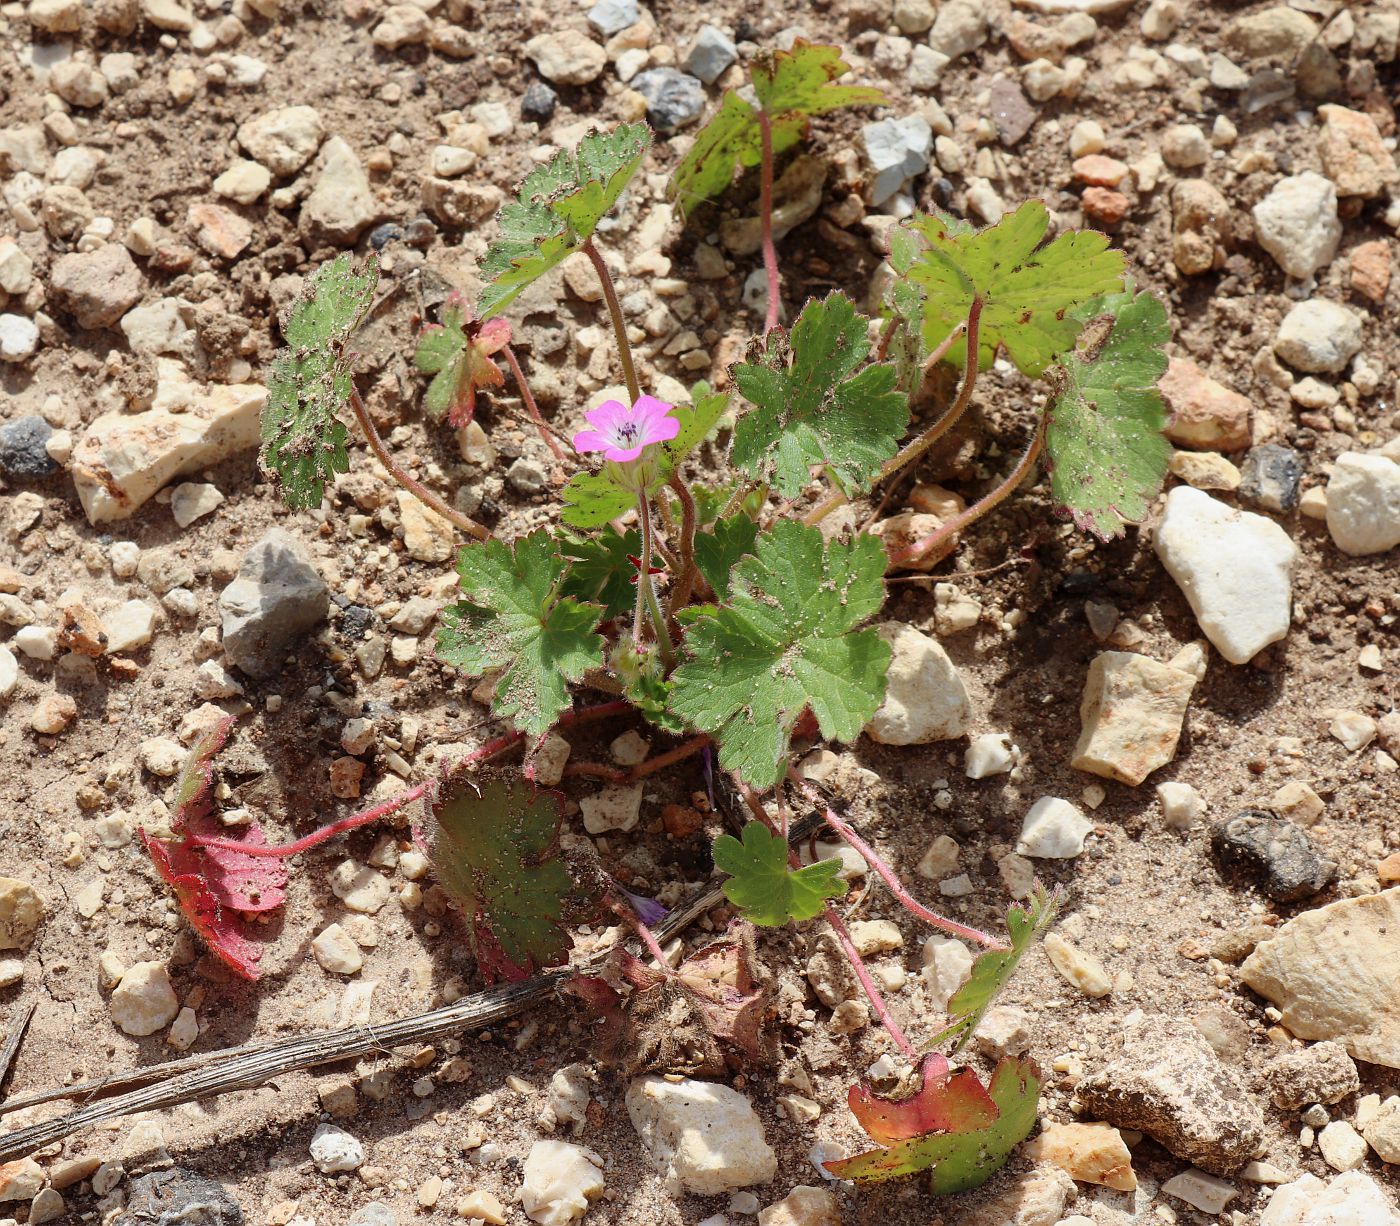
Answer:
(560, 1181)
(947, 966)
(567, 57)
(19, 338)
(1208, 1193)
(1297, 224)
(925, 699)
(402, 25)
(144, 1001)
(9, 671)
(129, 626)
(162, 756)
(336, 952)
(184, 1030)
(283, 140)
(939, 860)
(1319, 335)
(341, 203)
(1077, 967)
(1181, 804)
(1132, 711)
(162, 326)
(334, 1150)
(1351, 1199)
(122, 459)
(896, 150)
(360, 888)
(614, 808)
(1053, 829)
(190, 501)
(1363, 503)
(1342, 1146)
(243, 182)
(702, 1136)
(1234, 567)
(992, 753)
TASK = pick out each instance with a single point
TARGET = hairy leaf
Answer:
(457, 352)
(947, 1100)
(791, 86)
(494, 848)
(698, 421)
(193, 791)
(556, 210)
(515, 618)
(785, 641)
(222, 930)
(303, 438)
(1107, 452)
(763, 887)
(960, 1160)
(601, 569)
(1029, 292)
(812, 406)
(645, 684)
(718, 550)
(993, 970)
(592, 499)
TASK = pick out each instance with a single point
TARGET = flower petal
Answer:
(591, 440)
(622, 456)
(607, 415)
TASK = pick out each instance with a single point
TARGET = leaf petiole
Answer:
(624, 347)
(765, 209)
(531, 407)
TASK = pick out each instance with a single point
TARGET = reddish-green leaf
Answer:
(947, 1100)
(457, 352)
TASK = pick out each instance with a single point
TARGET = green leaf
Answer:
(1029, 296)
(592, 499)
(303, 438)
(963, 1160)
(718, 551)
(905, 301)
(516, 619)
(557, 208)
(993, 969)
(810, 408)
(764, 888)
(785, 641)
(791, 86)
(698, 421)
(600, 569)
(1107, 453)
(494, 845)
(458, 353)
(644, 683)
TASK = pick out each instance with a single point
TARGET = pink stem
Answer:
(765, 210)
(531, 407)
(877, 1002)
(393, 804)
(887, 875)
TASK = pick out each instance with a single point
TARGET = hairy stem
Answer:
(882, 349)
(646, 593)
(765, 210)
(416, 488)
(896, 887)
(877, 1001)
(685, 576)
(498, 746)
(616, 774)
(980, 508)
(531, 407)
(624, 347)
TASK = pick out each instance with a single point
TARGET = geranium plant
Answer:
(706, 599)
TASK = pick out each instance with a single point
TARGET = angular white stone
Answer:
(925, 699)
(334, 1150)
(1234, 567)
(1053, 829)
(992, 753)
(1352, 1199)
(336, 952)
(947, 965)
(560, 1181)
(144, 1001)
(1342, 1146)
(191, 500)
(703, 1136)
(1318, 335)
(122, 459)
(1208, 1193)
(1297, 224)
(359, 888)
(9, 671)
(1363, 503)
(1181, 804)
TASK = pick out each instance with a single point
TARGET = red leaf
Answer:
(945, 1102)
(222, 929)
(245, 883)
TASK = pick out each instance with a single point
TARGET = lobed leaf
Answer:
(791, 86)
(993, 969)
(785, 641)
(963, 1159)
(515, 618)
(762, 885)
(947, 1100)
(457, 352)
(303, 438)
(494, 848)
(1029, 293)
(556, 210)
(601, 570)
(1107, 453)
(812, 406)
(718, 550)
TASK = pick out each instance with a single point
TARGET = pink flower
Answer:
(622, 433)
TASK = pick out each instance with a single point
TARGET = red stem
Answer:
(392, 805)
(624, 347)
(531, 407)
(877, 1002)
(765, 211)
(902, 895)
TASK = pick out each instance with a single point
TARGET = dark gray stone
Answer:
(22, 443)
(1275, 849)
(1271, 477)
(177, 1197)
(538, 102)
(710, 54)
(277, 597)
(674, 98)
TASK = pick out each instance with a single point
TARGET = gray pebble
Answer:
(1272, 477)
(1280, 852)
(526, 478)
(178, 1197)
(674, 98)
(710, 54)
(22, 444)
